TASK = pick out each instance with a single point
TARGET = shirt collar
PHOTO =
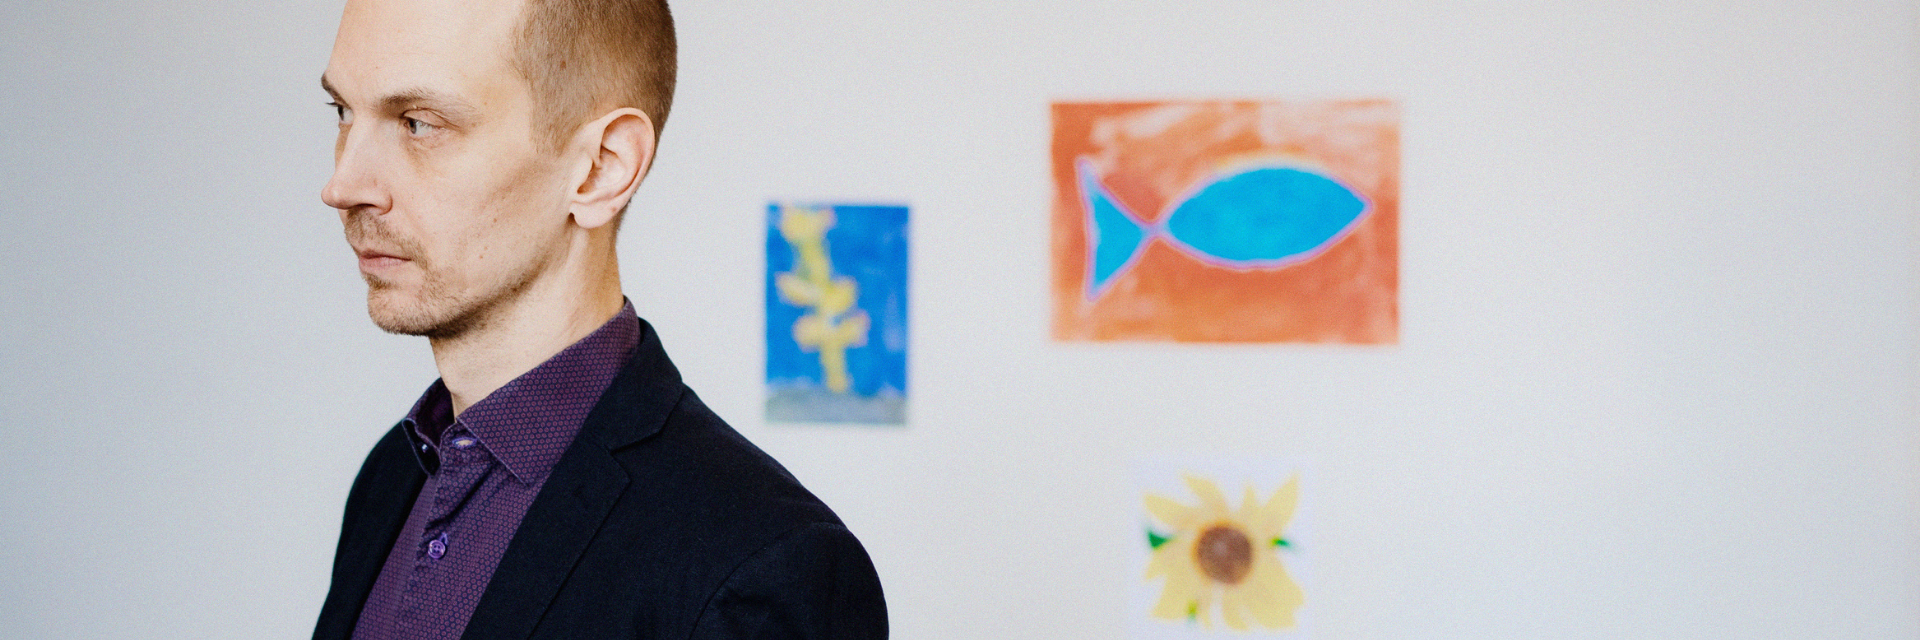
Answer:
(528, 423)
(430, 417)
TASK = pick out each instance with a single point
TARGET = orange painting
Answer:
(1227, 221)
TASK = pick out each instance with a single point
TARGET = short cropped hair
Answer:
(583, 58)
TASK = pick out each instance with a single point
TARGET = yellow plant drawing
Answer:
(1224, 560)
(832, 324)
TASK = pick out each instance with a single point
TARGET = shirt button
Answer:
(438, 547)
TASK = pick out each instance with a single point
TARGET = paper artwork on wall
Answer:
(1219, 550)
(836, 313)
(1222, 221)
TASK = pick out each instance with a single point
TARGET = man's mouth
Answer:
(372, 260)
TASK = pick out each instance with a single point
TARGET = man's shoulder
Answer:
(709, 537)
(701, 468)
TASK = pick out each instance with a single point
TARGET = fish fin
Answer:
(1114, 234)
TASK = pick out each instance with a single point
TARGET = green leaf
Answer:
(1154, 540)
(1193, 611)
(1282, 542)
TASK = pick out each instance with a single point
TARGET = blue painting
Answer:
(836, 313)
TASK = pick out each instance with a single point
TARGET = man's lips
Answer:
(372, 260)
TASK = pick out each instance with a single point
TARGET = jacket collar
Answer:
(580, 492)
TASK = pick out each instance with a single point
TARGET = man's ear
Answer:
(621, 148)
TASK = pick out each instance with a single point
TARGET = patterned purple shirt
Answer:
(484, 470)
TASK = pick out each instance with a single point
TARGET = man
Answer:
(558, 480)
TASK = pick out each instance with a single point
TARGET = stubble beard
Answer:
(432, 313)
(438, 310)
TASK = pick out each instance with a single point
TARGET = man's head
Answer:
(488, 147)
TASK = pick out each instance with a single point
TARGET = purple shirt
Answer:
(483, 471)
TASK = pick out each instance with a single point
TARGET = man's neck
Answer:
(546, 318)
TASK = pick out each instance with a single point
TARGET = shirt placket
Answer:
(463, 466)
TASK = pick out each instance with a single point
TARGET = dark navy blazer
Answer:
(660, 521)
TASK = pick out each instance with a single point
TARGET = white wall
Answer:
(1656, 377)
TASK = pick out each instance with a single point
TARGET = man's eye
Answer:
(340, 111)
(416, 127)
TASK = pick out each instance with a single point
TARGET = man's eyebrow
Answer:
(420, 97)
(328, 87)
(412, 98)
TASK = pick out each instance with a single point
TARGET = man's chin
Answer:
(400, 325)
(398, 314)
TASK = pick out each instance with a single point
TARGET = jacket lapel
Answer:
(579, 493)
(377, 509)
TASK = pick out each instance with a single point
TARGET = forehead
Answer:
(460, 46)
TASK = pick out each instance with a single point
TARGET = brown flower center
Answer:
(1224, 554)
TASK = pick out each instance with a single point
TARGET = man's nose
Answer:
(356, 181)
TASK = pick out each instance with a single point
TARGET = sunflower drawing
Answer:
(1217, 559)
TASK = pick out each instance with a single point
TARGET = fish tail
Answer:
(1115, 235)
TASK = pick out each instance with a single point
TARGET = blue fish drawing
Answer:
(1261, 217)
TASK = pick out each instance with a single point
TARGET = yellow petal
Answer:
(1173, 514)
(1278, 512)
(1212, 503)
(1272, 594)
(1205, 600)
(1231, 603)
(1175, 595)
(1161, 561)
(1249, 510)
